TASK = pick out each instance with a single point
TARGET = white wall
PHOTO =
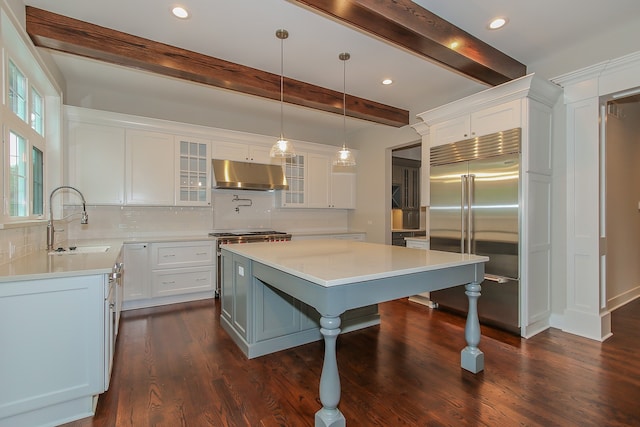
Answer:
(373, 214)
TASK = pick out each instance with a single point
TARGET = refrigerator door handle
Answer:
(471, 180)
(463, 202)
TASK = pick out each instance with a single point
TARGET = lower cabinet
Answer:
(162, 273)
(261, 319)
(420, 243)
(54, 349)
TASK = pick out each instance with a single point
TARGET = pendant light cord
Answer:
(282, 88)
(344, 102)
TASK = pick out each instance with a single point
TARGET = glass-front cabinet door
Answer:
(296, 171)
(194, 172)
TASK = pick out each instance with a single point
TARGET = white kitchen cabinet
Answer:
(179, 268)
(313, 184)
(343, 190)
(318, 181)
(419, 243)
(295, 170)
(254, 153)
(478, 123)
(150, 168)
(96, 161)
(527, 103)
(193, 171)
(137, 283)
(53, 349)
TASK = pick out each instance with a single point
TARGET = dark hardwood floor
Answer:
(175, 366)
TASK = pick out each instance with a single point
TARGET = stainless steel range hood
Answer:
(236, 175)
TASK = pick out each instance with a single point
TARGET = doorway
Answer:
(621, 199)
(407, 215)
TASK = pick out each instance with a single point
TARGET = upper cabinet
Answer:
(315, 183)
(193, 171)
(478, 123)
(118, 159)
(150, 168)
(254, 153)
(295, 169)
(113, 164)
(96, 161)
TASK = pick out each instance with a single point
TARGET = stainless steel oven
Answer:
(227, 237)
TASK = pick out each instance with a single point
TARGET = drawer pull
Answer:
(202, 279)
(173, 282)
(202, 253)
(168, 256)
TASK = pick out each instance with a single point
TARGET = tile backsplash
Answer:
(250, 210)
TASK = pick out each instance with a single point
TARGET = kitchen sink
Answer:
(72, 250)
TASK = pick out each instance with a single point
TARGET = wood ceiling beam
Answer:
(61, 33)
(409, 26)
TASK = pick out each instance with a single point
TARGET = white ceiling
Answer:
(551, 37)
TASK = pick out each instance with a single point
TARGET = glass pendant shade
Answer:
(344, 157)
(282, 149)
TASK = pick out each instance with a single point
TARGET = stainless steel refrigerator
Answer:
(474, 208)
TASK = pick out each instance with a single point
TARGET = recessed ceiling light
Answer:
(497, 23)
(180, 12)
(387, 81)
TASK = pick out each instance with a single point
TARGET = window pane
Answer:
(17, 92)
(18, 175)
(38, 181)
(37, 112)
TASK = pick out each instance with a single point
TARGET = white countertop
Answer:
(41, 265)
(331, 262)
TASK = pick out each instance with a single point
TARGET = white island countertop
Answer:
(331, 262)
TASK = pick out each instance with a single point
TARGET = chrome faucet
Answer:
(50, 229)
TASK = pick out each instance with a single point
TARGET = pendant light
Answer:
(282, 148)
(344, 157)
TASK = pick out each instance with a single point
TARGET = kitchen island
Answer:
(334, 276)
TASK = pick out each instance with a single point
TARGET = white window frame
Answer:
(11, 122)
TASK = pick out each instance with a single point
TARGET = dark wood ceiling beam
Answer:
(69, 35)
(408, 25)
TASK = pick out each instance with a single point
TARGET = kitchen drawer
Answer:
(182, 254)
(181, 281)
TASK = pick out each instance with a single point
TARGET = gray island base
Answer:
(269, 291)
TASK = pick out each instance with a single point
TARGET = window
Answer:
(23, 122)
(37, 122)
(30, 99)
(17, 91)
(17, 175)
(37, 171)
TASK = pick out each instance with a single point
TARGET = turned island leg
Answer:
(471, 358)
(330, 415)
